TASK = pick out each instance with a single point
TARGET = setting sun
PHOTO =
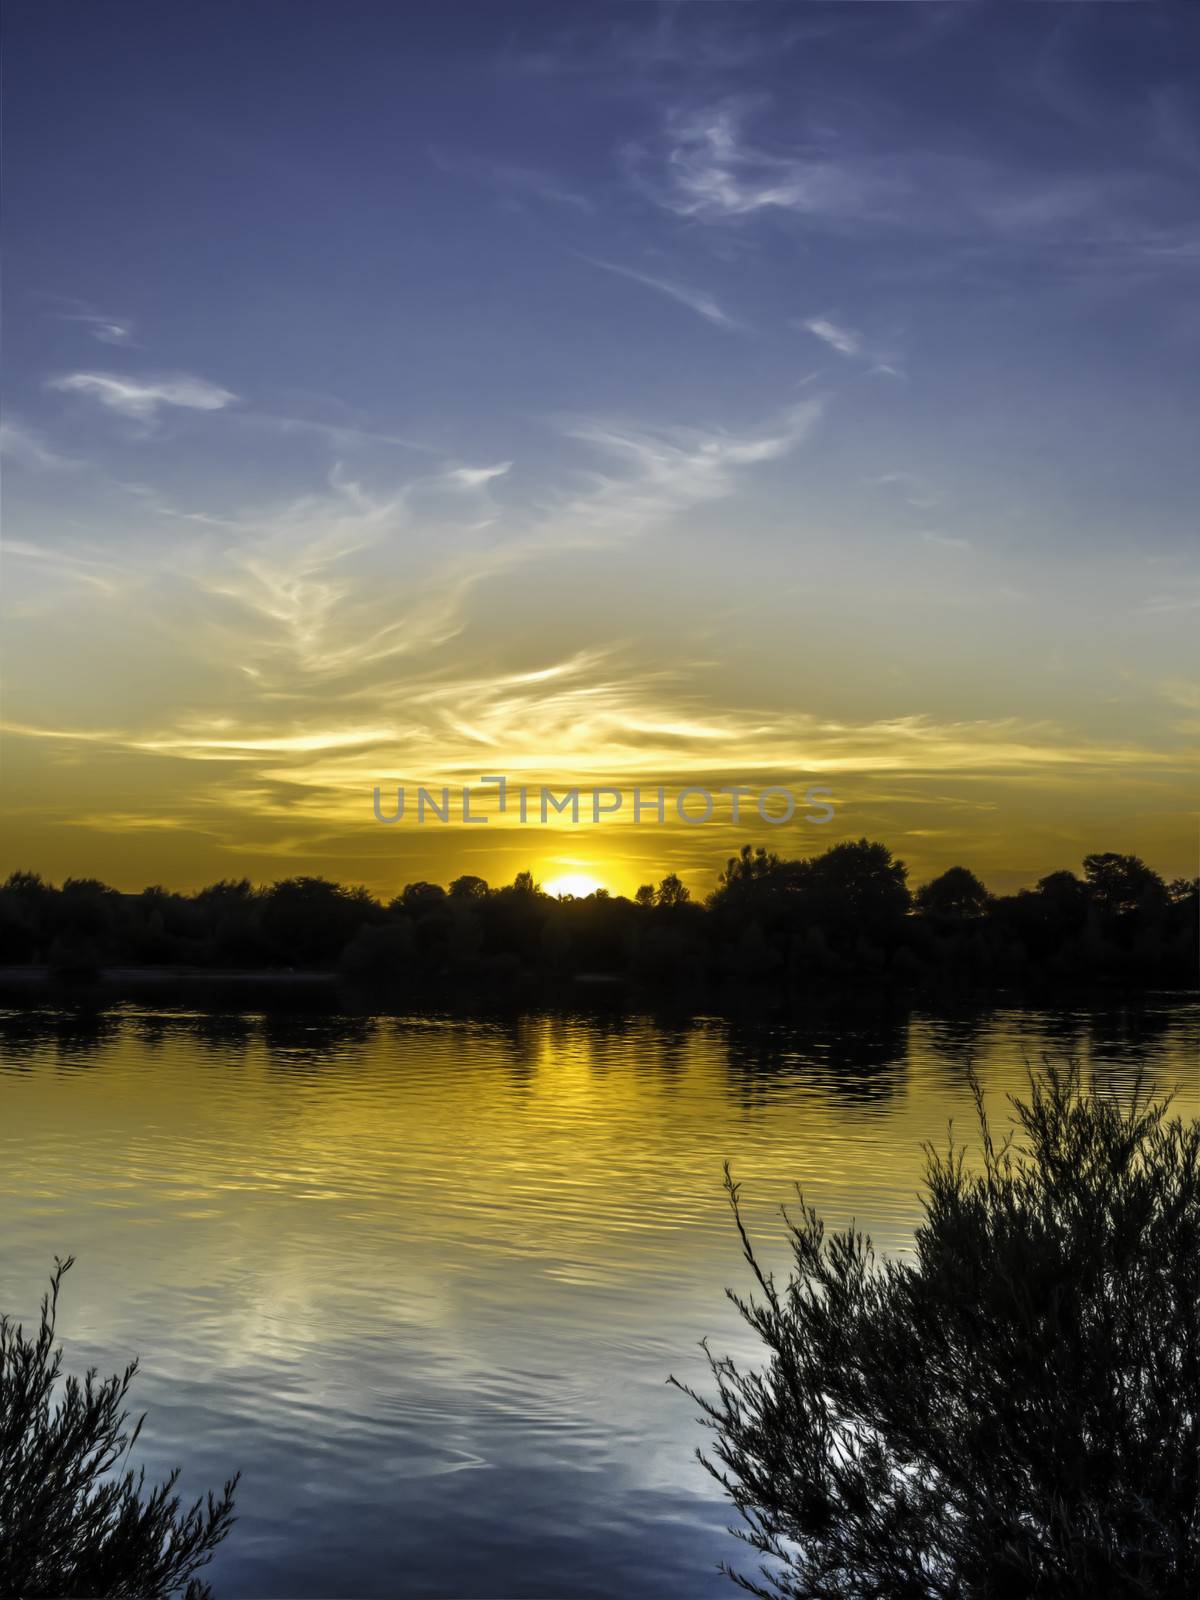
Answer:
(578, 884)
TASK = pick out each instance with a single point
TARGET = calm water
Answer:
(423, 1279)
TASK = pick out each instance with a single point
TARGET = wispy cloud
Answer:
(592, 715)
(917, 491)
(108, 330)
(336, 593)
(697, 300)
(512, 179)
(95, 571)
(945, 540)
(142, 398)
(846, 341)
(853, 345)
(541, 185)
(676, 468)
(101, 325)
(477, 477)
(342, 435)
(1181, 692)
(26, 447)
(160, 507)
(850, 173)
(1185, 598)
(711, 171)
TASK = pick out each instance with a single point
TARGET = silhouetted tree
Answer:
(757, 887)
(27, 907)
(1065, 899)
(421, 897)
(87, 906)
(72, 1523)
(379, 954)
(86, 920)
(671, 892)
(232, 914)
(227, 893)
(956, 893)
(1011, 1410)
(858, 891)
(308, 921)
(469, 887)
(748, 866)
(1122, 884)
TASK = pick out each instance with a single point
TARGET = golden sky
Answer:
(761, 416)
(222, 710)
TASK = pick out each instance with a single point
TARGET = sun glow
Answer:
(578, 884)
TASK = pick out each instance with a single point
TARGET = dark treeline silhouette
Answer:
(800, 926)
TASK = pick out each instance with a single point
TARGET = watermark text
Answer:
(692, 806)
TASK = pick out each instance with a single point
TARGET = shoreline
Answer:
(338, 990)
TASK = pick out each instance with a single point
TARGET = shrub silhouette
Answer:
(71, 1524)
(1014, 1410)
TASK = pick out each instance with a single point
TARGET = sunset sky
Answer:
(611, 396)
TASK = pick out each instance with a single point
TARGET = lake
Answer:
(423, 1278)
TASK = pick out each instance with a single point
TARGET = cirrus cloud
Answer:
(141, 398)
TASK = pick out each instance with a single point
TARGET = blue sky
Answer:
(613, 390)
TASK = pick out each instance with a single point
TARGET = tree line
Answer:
(846, 913)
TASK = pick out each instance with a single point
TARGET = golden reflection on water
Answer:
(423, 1278)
